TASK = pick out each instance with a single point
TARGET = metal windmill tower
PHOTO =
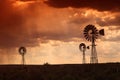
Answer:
(91, 34)
(22, 51)
(82, 48)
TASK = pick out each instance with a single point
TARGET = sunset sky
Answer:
(51, 30)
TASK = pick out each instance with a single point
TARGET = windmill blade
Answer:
(86, 36)
(96, 30)
(85, 30)
(85, 33)
(96, 36)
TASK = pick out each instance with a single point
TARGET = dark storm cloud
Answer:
(101, 5)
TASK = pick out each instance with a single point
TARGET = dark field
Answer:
(61, 72)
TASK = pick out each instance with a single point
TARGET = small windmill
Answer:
(22, 51)
(82, 48)
(91, 34)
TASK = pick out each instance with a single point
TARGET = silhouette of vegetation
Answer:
(61, 72)
(46, 64)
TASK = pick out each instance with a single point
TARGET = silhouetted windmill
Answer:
(82, 48)
(22, 51)
(91, 34)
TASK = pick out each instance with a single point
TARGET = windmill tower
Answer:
(22, 51)
(82, 48)
(91, 34)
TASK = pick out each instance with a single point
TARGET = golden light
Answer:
(22, 4)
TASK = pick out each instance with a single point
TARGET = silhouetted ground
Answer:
(61, 72)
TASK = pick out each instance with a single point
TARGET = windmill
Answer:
(91, 34)
(82, 48)
(22, 51)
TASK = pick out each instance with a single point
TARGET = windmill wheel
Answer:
(22, 50)
(89, 31)
(82, 47)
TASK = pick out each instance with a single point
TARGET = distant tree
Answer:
(46, 63)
